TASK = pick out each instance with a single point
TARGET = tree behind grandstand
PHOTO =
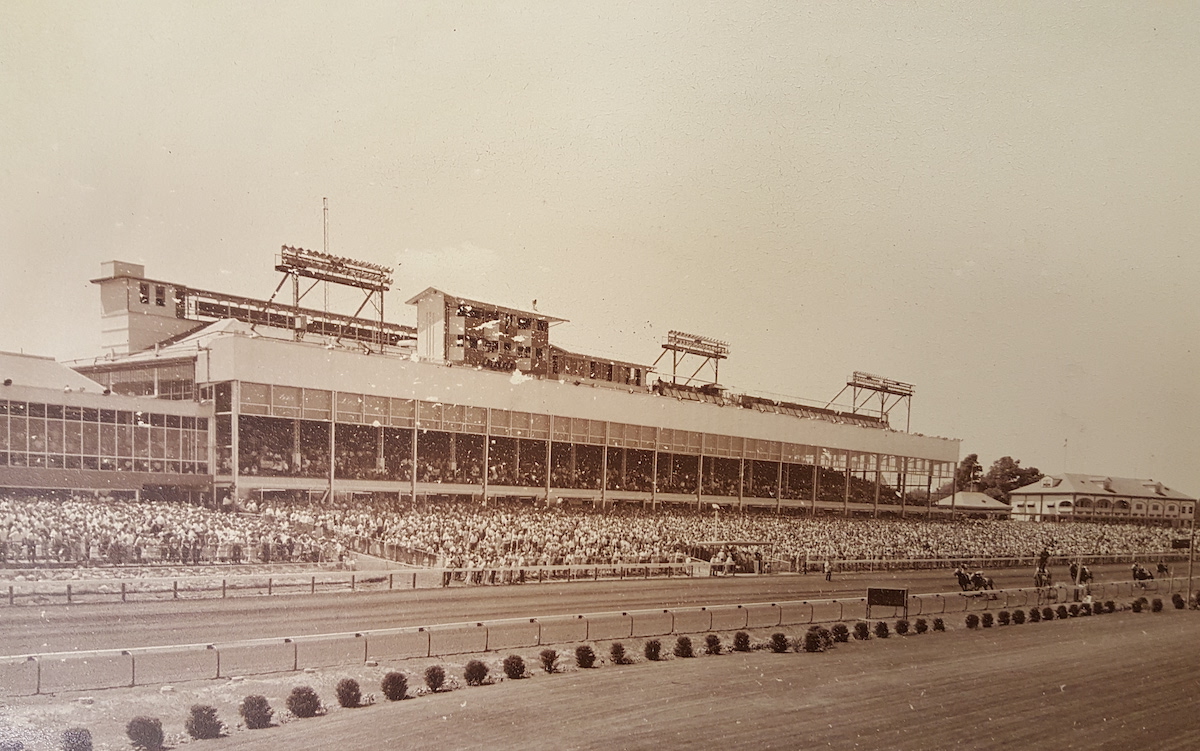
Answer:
(1004, 476)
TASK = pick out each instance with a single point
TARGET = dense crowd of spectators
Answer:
(88, 530)
(93, 531)
(472, 535)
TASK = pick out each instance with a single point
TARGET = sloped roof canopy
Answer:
(42, 372)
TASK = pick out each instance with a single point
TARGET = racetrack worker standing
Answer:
(828, 571)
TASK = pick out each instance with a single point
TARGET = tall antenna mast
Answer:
(325, 221)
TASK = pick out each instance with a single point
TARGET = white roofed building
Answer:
(1070, 496)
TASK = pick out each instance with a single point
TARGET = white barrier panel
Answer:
(763, 616)
(92, 671)
(607, 627)
(565, 630)
(328, 651)
(692, 620)
(651, 623)
(732, 618)
(457, 640)
(511, 635)
(398, 646)
(19, 677)
(174, 666)
(796, 613)
(272, 657)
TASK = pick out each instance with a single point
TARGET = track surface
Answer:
(62, 628)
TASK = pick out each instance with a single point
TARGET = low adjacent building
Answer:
(1069, 497)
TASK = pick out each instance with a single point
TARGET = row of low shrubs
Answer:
(1063, 612)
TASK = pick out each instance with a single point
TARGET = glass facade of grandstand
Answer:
(285, 432)
(56, 436)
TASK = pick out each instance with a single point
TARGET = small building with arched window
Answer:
(1074, 497)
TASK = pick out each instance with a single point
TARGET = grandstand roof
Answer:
(187, 345)
(972, 501)
(42, 372)
(1100, 485)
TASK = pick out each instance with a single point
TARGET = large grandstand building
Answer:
(232, 398)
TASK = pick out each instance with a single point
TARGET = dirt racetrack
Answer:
(1118, 681)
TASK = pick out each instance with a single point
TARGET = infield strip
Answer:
(1118, 681)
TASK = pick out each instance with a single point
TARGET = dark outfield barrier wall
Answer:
(24, 675)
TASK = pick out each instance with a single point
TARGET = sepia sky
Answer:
(995, 202)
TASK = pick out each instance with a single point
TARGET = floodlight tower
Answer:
(865, 386)
(680, 345)
(373, 279)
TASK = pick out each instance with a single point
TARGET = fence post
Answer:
(351, 582)
(37, 689)
(218, 653)
(222, 589)
(123, 592)
(390, 578)
(414, 586)
(175, 589)
(132, 668)
(68, 594)
(270, 585)
(11, 598)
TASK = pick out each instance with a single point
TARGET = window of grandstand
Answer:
(55, 436)
(160, 296)
(144, 293)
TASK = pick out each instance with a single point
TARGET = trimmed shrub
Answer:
(616, 652)
(988, 620)
(1156, 605)
(862, 631)
(514, 667)
(712, 644)
(779, 643)
(549, 657)
(902, 627)
(972, 621)
(841, 633)
(881, 630)
(1073, 610)
(145, 733)
(435, 677)
(1003, 618)
(1047, 613)
(303, 702)
(1177, 601)
(585, 657)
(826, 636)
(1018, 617)
(1062, 612)
(813, 643)
(653, 650)
(1137, 606)
(683, 647)
(921, 626)
(77, 739)
(1035, 615)
(475, 673)
(349, 694)
(939, 624)
(741, 642)
(202, 722)
(1110, 606)
(256, 712)
(394, 686)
